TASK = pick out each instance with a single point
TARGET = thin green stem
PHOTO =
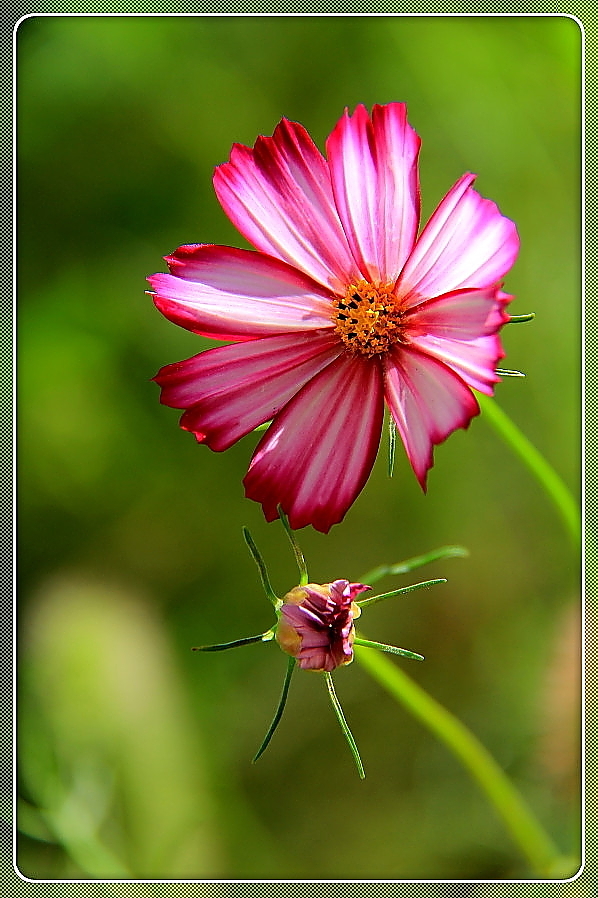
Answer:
(536, 463)
(526, 831)
(404, 567)
(261, 565)
(282, 702)
(364, 603)
(344, 725)
(299, 556)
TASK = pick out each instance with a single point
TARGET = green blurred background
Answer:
(135, 752)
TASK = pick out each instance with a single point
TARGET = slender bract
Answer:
(398, 592)
(279, 709)
(344, 726)
(255, 553)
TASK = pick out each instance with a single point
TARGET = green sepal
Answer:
(255, 553)
(223, 646)
(509, 372)
(261, 427)
(282, 702)
(520, 319)
(391, 649)
(344, 725)
(399, 592)
(299, 556)
(404, 567)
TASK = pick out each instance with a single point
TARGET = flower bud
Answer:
(316, 624)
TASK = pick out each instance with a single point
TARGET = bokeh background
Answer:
(134, 751)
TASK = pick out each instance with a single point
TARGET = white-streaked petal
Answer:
(231, 390)
(460, 329)
(278, 195)
(316, 456)
(228, 293)
(466, 243)
(428, 402)
(373, 166)
(474, 361)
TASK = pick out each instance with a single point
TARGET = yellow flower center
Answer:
(369, 318)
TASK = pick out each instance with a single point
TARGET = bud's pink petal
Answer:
(316, 624)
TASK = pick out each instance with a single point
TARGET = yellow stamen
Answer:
(369, 318)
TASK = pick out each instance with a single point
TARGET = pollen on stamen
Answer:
(369, 318)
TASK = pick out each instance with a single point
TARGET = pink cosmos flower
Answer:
(316, 624)
(341, 307)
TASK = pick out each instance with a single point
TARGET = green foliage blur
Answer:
(134, 751)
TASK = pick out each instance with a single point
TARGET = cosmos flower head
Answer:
(343, 307)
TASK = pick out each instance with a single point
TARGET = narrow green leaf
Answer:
(261, 427)
(404, 567)
(262, 568)
(399, 592)
(223, 646)
(344, 725)
(279, 710)
(391, 649)
(551, 482)
(528, 834)
(299, 556)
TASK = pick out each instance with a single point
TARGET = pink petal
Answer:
(474, 361)
(316, 456)
(231, 390)
(344, 592)
(428, 401)
(373, 166)
(238, 294)
(460, 329)
(279, 196)
(466, 243)
(461, 315)
(308, 624)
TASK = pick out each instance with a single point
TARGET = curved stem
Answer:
(536, 463)
(299, 556)
(541, 853)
